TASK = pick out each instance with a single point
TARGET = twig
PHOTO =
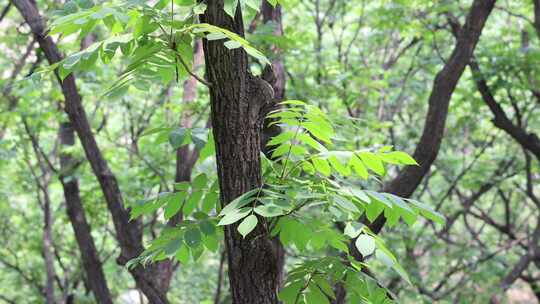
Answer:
(206, 83)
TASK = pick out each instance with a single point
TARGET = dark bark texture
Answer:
(75, 210)
(443, 87)
(129, 234)
(237, 100)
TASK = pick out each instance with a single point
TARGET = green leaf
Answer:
(323, 284)
(316, 131)
(281, 138)
(207, 227)
(182, 255)
(199, 137)
(209, 202)
(281, 150)
(233, 217)
(321, 165)
(353, 229)
(193, 237)
(315, 296)
(181, 186)
(211, 242)
(200, 8)
(289, 293)
(340, 168)
(358, 167)
(231, 44)
(308, 140)
(174, 205)
(269, 210)
(177, 137)
(208, 149)
(373, 210)
(398, 157)
(428, 212)
(240, 201)
(247, 225)
(199, 181)
(372, 161)
(345, 203)
(365, 244)
(230, 7)
(192, 202)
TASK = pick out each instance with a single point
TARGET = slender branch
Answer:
(206, 83)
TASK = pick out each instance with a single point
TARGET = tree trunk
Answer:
(443, 88)
(47, 248)
(75, 210)
(237, 97)
(128, 233)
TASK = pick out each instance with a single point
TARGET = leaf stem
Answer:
(206, 83)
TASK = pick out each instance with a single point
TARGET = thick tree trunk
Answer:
(237, 99)
(75, 210)
(129, 234)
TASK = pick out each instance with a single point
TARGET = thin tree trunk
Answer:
(129, 233)
(185, 156)
(237, 97)
(47, 248)
(217, 296)
(75, 210)
(536, 4)
(439, 100)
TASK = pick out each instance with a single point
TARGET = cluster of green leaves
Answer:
(156, 39)
(196, 232)
(312, 282)
(201, 138)
(307, 190)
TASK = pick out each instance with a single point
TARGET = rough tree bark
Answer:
(237, 98)
(75, 210)
(443, 87)
(129, 234)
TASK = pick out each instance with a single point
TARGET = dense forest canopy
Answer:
(274, 151)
